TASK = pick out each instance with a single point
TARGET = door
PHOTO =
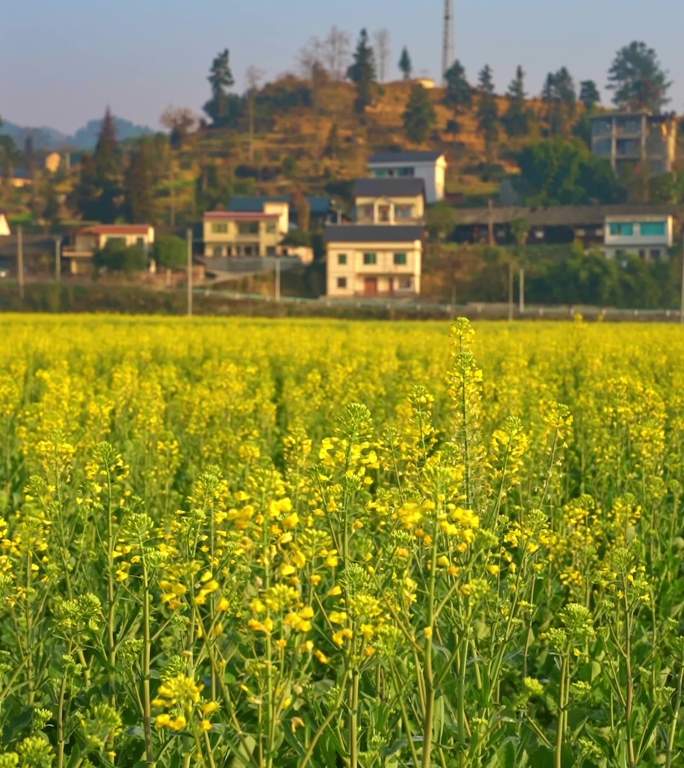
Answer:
(370, 286)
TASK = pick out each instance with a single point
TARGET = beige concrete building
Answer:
(389, 201)
(244, 234)
(628, 140)
(79, 256)
(373, 260)
(648, 236)
(4, 226)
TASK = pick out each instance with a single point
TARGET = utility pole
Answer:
(20, 261)
(58, 259)
(510, 290)
(189, 240)
(521, 290)
(681, 304)
(277, 279)
(448, 38)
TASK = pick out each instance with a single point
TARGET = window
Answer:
(271, 251)
(365, 213)
(217, 251)
(642, 253)
(270, 227)
(248, 228)
(405, 283)
(341, 282)
(342, 259)
(656, 254)
(384, 214)
(219, 228)
(653, 229)
(400, 260)
(369, 259)
(380, 173)
(622, 229)
(403, 212)
(140, 241)
(407, 171)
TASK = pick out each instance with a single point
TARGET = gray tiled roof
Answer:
(557, 215)
(372, 233)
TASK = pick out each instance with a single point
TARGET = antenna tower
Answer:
(448, 40)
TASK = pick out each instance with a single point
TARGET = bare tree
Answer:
(310, 59)
(335, 52)
(179, 121)
(254, 76)
(382, 51)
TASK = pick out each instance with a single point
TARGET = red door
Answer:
(370, 286)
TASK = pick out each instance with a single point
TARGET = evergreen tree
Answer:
(139, 185)
(362, 73)
(517, 118)
(419, 116)
(487, 110)
(221, 108)
(637, 79)
(405, 64)
(98, 195)
(459, 94)
(560, 98)
(589, 94)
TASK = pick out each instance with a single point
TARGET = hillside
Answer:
(322, 143)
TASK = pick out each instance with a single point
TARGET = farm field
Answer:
(281, 544)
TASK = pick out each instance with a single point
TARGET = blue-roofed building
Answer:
(429, 166)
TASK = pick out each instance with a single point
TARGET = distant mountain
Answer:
(84, 138)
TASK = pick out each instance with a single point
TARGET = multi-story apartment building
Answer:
(429, 166)
(373, 260)
(628, 140)
(389, 201)
(649, 237)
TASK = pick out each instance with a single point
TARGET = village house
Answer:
(604, 227)
(4, 226)
(373, 260)
(229, 233)
(79, 256)
(389, 201)
(429, 166)
(649, 237)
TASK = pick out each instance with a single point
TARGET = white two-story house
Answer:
(648, 236)
(431, 167)
(389, 201)
(373, 260)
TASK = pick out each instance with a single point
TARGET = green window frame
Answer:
(219, 228)
(622, 229)
(653, 228)
(370, 259)
(400, 259)
(342, 259)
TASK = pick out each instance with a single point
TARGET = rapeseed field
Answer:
(259, 544)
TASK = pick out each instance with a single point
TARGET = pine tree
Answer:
(419, 116)
(560, 98)
(98, 195)
(362, 72)
(487, 110)
(139, 185)
(589, 94)
(517, 118)
(405, 64)
(221, 108)
(458, 91)
(638, 80)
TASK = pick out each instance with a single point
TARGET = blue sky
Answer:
(63, 61)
